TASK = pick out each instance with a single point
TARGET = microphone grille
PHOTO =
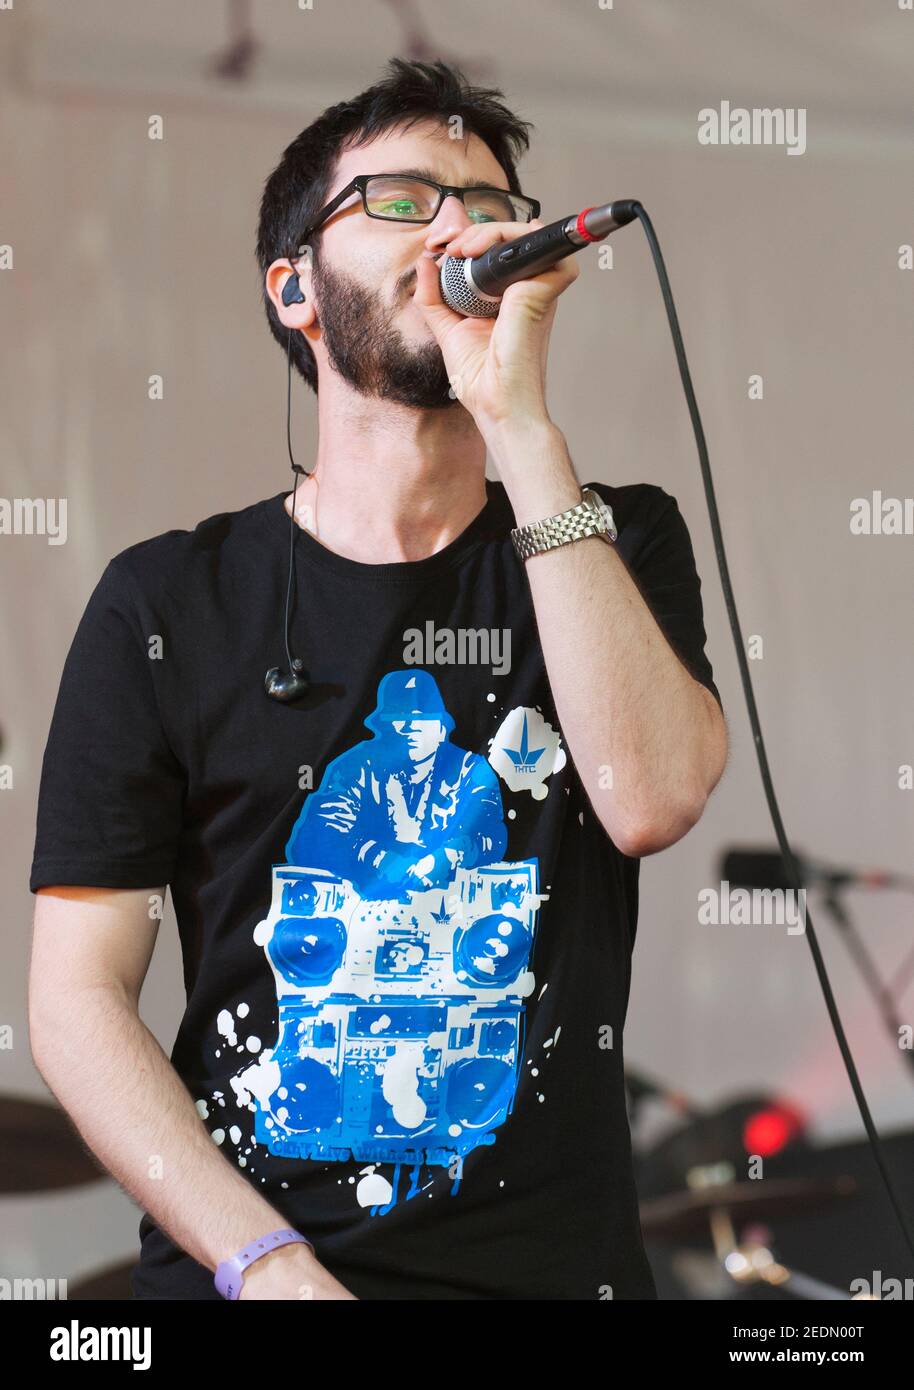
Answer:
(459, 295)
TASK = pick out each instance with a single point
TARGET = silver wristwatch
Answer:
(591, 517)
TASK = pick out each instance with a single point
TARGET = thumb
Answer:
(436, 313)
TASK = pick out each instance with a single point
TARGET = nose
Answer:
(450, 220)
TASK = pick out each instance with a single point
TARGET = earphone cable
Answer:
(297, 471)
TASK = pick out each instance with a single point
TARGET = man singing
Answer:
(167, 764)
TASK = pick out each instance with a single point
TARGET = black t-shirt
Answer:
(406, 937)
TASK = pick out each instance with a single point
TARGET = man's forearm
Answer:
(133, 1111)
(648, 742)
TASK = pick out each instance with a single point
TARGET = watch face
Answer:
(603, 508)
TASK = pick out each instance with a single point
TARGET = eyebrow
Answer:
(424, 173)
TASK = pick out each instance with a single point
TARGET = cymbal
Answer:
(677, 1216)
(40, 1151)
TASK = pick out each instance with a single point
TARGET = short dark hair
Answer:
(299, 186)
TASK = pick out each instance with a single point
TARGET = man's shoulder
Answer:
(637, 505)
(634, 502)
(650, 524)
(169, 561)
(464, 761)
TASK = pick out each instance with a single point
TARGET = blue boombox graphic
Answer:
(400, 1021)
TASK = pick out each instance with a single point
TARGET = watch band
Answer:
(590, 517)
(230, 1273)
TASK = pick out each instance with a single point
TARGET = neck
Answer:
(390, 483)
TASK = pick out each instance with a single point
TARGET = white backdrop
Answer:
(134, 257)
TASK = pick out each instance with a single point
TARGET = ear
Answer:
(284, 277)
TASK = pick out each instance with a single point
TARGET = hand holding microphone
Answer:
(497, 372)
(474, 286)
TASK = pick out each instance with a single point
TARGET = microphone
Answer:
(752, 868)
(473, 287)
(641, 1087)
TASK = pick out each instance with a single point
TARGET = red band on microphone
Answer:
(582, 229)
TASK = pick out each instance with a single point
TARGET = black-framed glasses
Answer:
(408, 198)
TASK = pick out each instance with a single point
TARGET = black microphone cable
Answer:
(783, 843)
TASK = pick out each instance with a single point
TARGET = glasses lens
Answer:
(401, 199)
(492, 205)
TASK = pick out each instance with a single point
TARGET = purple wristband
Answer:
(230, 1274)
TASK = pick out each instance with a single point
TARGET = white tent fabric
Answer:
(133, 257)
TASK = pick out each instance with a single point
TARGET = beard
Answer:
(369, 351)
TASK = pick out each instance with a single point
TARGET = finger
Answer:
(563, 272)
(545, 287)
(473, 241)
(428, 298)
